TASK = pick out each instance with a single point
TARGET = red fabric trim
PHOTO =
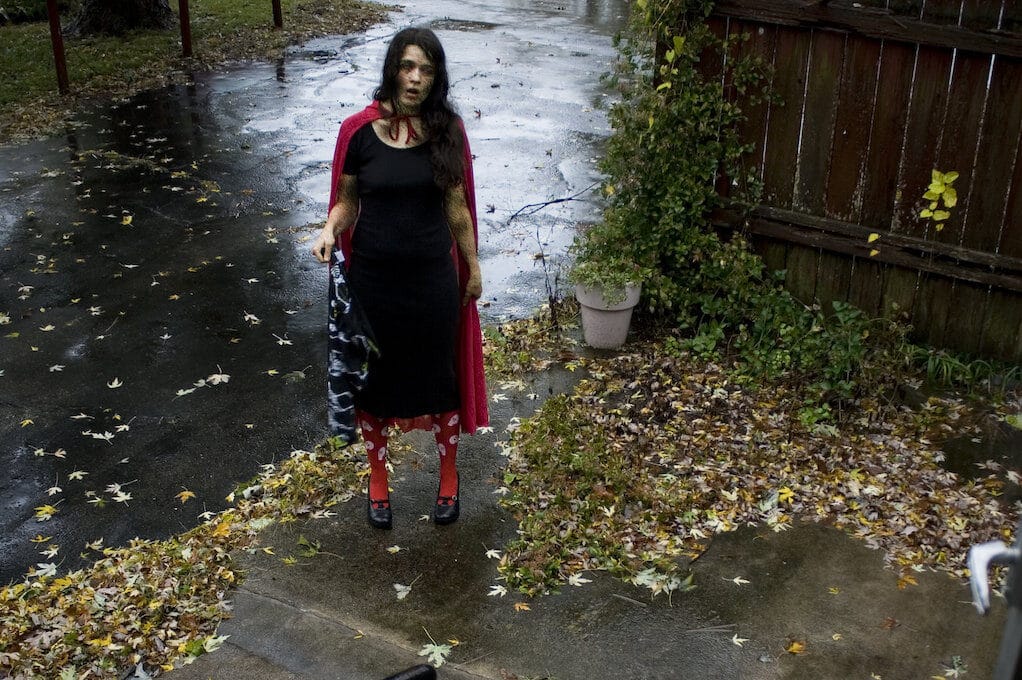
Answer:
(474, 410)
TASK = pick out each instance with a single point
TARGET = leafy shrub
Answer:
(675, 138)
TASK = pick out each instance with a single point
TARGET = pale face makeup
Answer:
(414, 79)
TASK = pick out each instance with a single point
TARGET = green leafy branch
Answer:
(940, 191)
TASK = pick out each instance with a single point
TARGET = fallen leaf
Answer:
(435, 654)
(45, 512)
(185, 495)
(578, 580)
(906, 580)
(522, 607)
(796, 647)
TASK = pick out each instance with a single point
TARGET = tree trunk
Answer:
(115, 17)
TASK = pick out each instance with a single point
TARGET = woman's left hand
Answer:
(473, 287)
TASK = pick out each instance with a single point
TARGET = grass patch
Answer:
(222, 31)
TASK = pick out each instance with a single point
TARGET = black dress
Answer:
(402, 274)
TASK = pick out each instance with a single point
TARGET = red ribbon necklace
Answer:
(395, 128)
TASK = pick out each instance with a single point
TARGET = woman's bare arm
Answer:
(342, 216)
(460, 220)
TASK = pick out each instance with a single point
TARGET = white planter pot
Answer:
(605, 326)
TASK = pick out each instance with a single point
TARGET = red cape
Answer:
(474, 412)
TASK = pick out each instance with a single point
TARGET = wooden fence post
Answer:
(186, 28)
(58, 47)
(278, 16)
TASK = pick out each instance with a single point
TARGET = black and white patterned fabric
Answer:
(349, 346)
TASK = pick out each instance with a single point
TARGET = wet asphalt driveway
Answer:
(161, 323)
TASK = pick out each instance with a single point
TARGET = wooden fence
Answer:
(876, 94)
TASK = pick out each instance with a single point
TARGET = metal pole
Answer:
(278, 16)
(186, 28)
(58, 47)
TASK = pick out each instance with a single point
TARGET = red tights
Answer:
(445, 427)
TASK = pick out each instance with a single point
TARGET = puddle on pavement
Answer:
(998, 447)
(461, 25)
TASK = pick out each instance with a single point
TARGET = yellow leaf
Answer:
(360, 635)
(175, 296)
(950, 197)
(126, 220)
(27, 421)
(872, 237)
(936, 176)
(874, 252)
(269, 550)
(272, 371)
(39, 538)
(941, 215)
(454, 642)
(785, 495)
(45, 512)
(950, 177)
(522, 607)
(835, 637)
(906, 581)
(796, 647)
(931, 196)
(940, 227)
(926, 212)
(222, 529)
(201, 199)
(185, 495)
(290, 560)
(833, 590)
(102, 642)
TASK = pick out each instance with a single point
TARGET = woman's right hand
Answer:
(323, 244)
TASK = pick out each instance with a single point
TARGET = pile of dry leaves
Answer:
(154, 604)
(654, 453)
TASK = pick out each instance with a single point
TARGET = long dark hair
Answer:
(438, 116)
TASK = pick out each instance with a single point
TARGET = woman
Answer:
(403, 170)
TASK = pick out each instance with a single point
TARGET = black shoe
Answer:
(448, 507)
(380, 515)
